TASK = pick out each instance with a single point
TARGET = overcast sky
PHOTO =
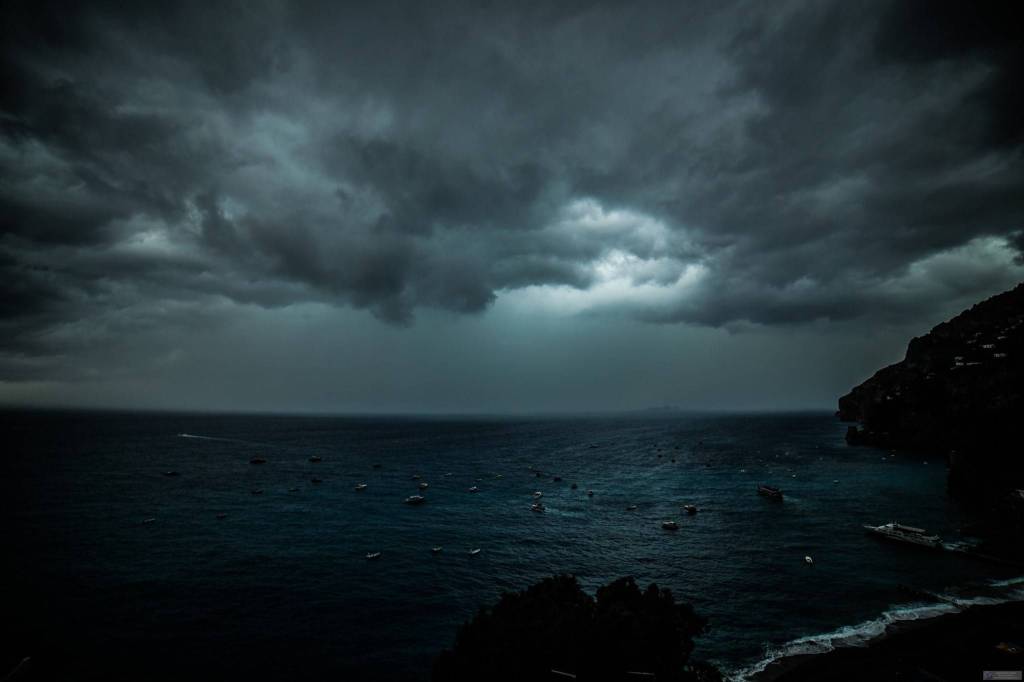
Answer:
(447, 207)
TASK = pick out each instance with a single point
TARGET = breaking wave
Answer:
(996, 592)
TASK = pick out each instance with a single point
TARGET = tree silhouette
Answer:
(554, 625)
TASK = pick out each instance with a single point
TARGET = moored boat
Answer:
(415, 499)
(769, 491)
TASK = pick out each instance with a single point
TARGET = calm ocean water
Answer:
(280, 587)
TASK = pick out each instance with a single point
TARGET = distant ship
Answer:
(769, 491)
(901, 533)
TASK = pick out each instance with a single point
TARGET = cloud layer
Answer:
(696, 163)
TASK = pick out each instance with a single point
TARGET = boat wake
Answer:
(997, 592)
(222, 440)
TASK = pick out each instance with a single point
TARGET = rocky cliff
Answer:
(959, 392)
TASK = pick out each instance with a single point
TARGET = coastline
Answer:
(953, 646)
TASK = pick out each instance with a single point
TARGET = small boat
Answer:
(631, 507)
(557, 479)
(436, 550)
(316, 458)
(360, 487)
(222, 516)
(146, 522)
(670, 525)
(424, 485)
(474, 552)
(416, 477)
(257, 460)
(809, 561)
(538, 507)
(293, 490)
(316, 480)
(170, 473)
(257, 491)
(573, 486)
(537, 495)
(376, 466)
(538, 474)
(590, 493)
(690, 509)
(474, 489)
(373, 555)
(769, 491)
(415, 499)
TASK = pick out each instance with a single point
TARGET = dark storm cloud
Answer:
(668, 162)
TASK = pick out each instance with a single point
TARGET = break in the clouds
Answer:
(754, 165)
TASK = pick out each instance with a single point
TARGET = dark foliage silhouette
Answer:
(554, 625)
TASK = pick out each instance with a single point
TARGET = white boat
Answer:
(415, 499)
(424, 485)
(537, 495)
(474, 552)
(631, 507)
(670, 525)
(474, 489)
(436, 550)
(360, 486)
(373, 555)
(901, 533)
(538, 507)
(690, 509)
(809, 561)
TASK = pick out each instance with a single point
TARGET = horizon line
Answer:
(328, 413)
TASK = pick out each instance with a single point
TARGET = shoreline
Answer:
(952, 646)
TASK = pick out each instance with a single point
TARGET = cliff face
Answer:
(958, 392)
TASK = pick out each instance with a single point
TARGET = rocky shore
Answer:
(958, 646)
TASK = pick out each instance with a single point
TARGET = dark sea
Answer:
(112, 569)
